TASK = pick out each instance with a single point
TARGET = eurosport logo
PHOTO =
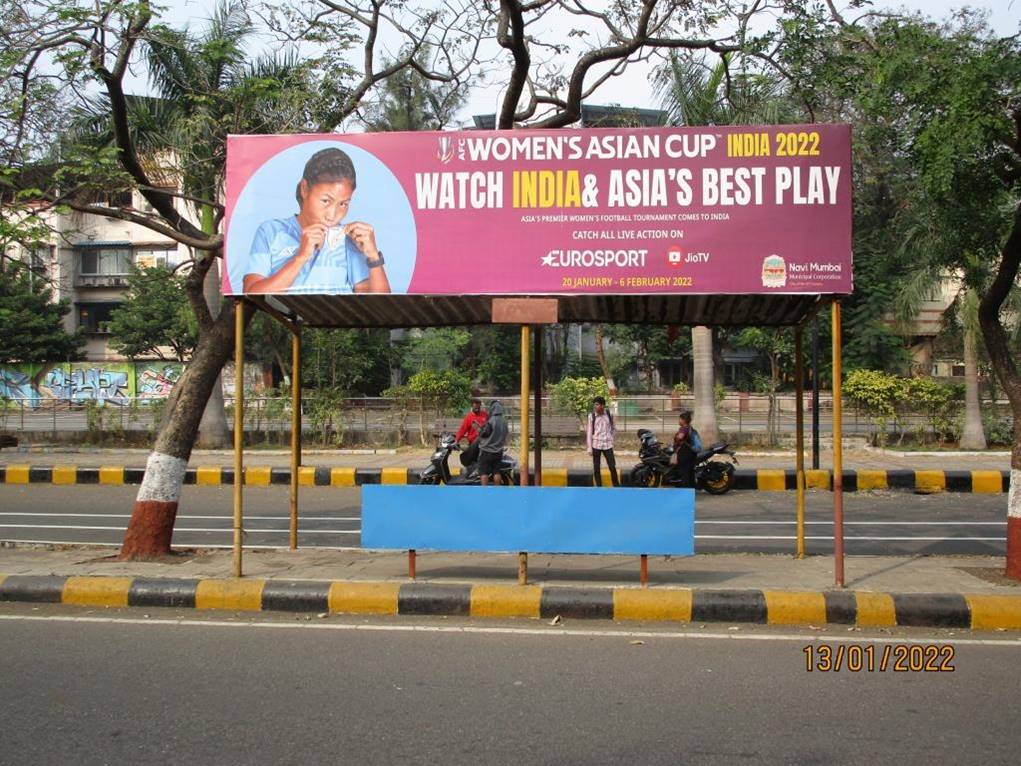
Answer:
(619, 259)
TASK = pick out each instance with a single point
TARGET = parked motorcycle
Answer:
(438, 471)
(715, 476)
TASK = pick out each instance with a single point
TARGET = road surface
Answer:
(746, 521)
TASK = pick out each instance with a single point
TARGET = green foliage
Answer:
(436, 349)
(643, 346)
(32, 321)
(878, 394)
(492, 357)
(353, 361)
(584, 366)
(154, 315)
(323, 408)
(408, 101)
(448, 391)
(576, 394)
(999, 431)
(940, 401)
(681, 389)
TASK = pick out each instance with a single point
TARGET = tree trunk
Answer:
(213, 430)
(972, 436)
(1004, 360)
(603, 365)
(704, 384)
(151, 526)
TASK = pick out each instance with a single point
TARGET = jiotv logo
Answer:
(675, 255)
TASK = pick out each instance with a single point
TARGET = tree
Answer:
(207, 86)
(778, 346)
(943, 102)
(32, 321)
(154, 316)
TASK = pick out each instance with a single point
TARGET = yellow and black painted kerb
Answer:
(859, 608)
(765, 480)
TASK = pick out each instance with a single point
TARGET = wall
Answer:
(113, 383)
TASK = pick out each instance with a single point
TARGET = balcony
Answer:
(101, 280)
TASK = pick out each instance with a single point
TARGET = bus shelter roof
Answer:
(777, 310)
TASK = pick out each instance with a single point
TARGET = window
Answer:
(95, 317)
(162, 256)
(105, 261)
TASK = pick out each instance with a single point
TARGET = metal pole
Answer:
(815, 393)
(295, 430)
(538, 405)
(525, 348)
(799, 438)
(239, 427)
(838, 453)
(522, 568)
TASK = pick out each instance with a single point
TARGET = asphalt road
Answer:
(279, 690)
(875, 522)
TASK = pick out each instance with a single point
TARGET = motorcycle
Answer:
(438, 471)
(711, 474)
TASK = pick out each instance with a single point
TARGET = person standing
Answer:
(492, 440)
(599, 435)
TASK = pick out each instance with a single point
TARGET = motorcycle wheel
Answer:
(643, 476)
(721, 484)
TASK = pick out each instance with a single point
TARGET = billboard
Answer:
(738, 210)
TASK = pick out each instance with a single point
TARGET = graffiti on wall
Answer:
(106, 383)
(154, 380)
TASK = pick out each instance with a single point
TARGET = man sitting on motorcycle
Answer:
(470, 428)
(684, 450)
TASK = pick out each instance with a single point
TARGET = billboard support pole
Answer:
(538, 405)
(799, 438)
(815, 393)
(239, 430)
(525, 349)
(295, 428)
(838, 453)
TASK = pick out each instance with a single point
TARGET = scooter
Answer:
(714, 476)
(438, 471)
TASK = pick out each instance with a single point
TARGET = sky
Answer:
(633, 89)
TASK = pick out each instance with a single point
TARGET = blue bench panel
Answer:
(535, 519)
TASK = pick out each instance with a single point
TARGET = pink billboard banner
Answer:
(718, 210)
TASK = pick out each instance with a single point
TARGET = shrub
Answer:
(576, 394)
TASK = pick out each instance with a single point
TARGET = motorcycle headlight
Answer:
(437, 454)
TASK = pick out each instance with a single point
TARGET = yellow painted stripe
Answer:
(243, 595)
(870, 479)
(65, 474)
(875, 609)
(930, 481)
(771, 480)
(817, 479)
(342, 477)
(393, 476)
(787, 608)
(307, 476)
(2, 578)
(207, 475)
(986, 481)
(645, 604)
(96, 591)
(111, 474)
(17, 473)
(992, 612)
(554, 477)
(257, 476)
(605, 476)
(364, 597)
(505, 601)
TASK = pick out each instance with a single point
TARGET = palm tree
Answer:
(696, 94)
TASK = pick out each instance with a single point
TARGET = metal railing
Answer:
(741, 417)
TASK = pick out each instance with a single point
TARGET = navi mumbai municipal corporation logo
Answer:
(774, 271)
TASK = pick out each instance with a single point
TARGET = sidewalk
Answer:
(932, 591)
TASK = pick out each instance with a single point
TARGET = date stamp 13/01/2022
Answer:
(870, 658)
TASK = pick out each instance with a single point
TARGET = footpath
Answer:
(967, 592)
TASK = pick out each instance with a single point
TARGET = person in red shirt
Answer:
(470, 428)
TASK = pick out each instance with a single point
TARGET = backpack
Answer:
(696, 440)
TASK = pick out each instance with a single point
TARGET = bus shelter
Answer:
(716, 227)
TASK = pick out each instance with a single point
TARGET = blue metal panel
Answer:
(535, 519)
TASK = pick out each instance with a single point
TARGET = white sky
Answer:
(633, 88)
